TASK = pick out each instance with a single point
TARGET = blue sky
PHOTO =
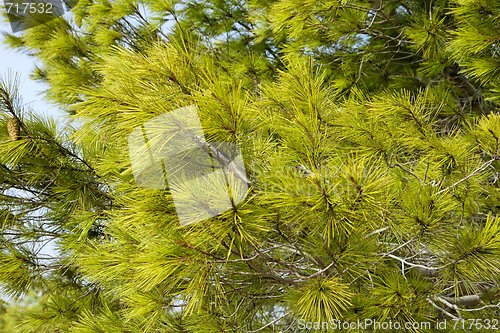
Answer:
(31, 91)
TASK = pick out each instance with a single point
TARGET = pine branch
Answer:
(270, 323)
(483, 167)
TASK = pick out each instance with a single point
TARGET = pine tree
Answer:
(370, 137)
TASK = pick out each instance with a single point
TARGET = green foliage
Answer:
(323, 300)
(370, 134)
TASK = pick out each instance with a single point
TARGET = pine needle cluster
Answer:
(370, 135)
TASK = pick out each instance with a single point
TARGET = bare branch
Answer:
(483, 167)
